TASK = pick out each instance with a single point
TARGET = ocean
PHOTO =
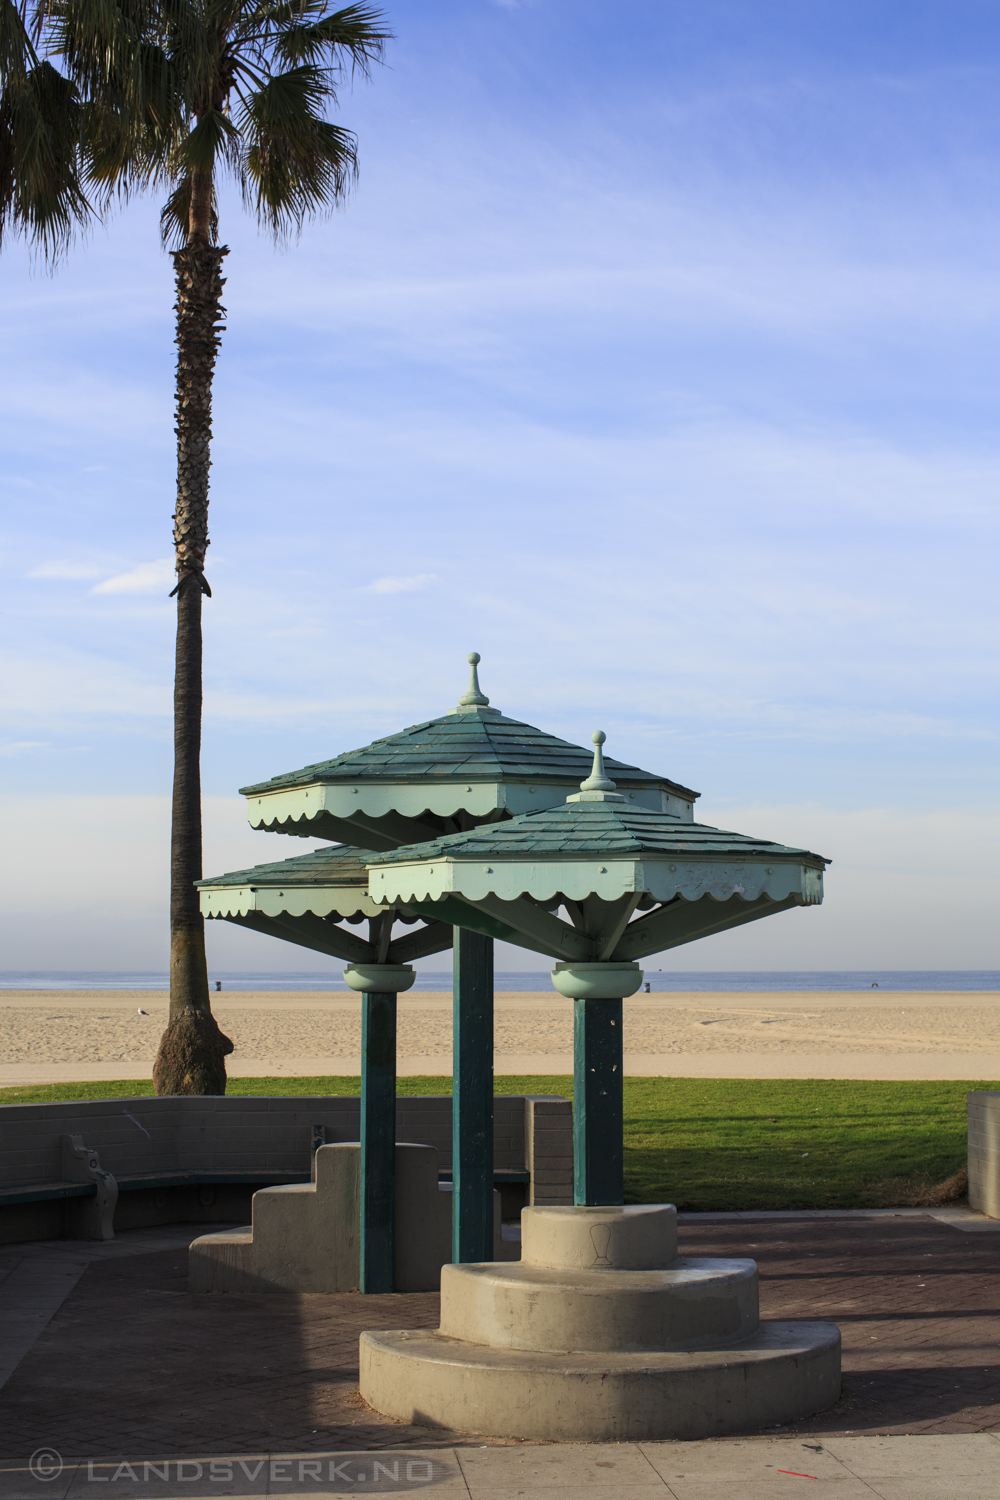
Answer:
(660, 981)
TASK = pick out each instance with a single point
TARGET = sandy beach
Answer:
(49, 1036)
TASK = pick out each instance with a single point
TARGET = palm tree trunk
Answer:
(192, 1050)
(188, 970)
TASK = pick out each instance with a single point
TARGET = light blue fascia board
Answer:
(318, 900)
(667, 876)
(377, 799)
(294, 809)
(609, 877)
(478, 880)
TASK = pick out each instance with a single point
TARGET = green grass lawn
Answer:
(722, 1143)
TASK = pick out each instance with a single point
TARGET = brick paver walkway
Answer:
(134, 1364)
(917, 1304)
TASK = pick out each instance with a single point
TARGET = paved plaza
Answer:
(131, 1367)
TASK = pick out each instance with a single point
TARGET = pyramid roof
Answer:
(464, 747)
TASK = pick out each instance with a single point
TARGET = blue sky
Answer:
(656, 357)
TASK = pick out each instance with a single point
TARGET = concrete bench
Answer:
(41, 1192)
(191, 1160)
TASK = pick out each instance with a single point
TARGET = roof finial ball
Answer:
(598, 780)
(474, 698)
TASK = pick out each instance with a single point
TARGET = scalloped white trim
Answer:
(374, 800)
(278, 811)
(577, 879)
(297, 901)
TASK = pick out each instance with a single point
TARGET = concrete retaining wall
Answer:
(225, 1133)
(984, 1152)
(242, 1136)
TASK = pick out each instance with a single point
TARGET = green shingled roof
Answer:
(465, 747)
(341, 865)
(585, 829)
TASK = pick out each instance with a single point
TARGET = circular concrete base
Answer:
(696, 1302)
(785, 1371)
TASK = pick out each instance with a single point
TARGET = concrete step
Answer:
(222, 1262)
(787, 1370)
(712, 1301)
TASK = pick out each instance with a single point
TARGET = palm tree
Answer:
(41, 196)
(184, 93)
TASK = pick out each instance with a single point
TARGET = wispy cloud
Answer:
(67, 570)
(51, 691)
(18, 747)
(144, 578)
(409, 585)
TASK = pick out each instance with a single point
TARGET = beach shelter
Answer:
(631, 881)
(602, 1332)
(469, 767)
(305, 900)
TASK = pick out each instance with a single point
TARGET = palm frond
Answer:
(116, 52)
(353, 35)
(40, 192)
(175, 90)
(97, 39)
(119, 160)
(17, 54)
(297, 164)
(284, 99)
(212, 139)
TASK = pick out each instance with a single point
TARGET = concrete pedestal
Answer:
(602, 1333)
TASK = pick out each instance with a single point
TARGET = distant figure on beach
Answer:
(647, 986)
(218, 984)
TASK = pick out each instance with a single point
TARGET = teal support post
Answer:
(472, 1101)
(378, 1142)
(597, 1103)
